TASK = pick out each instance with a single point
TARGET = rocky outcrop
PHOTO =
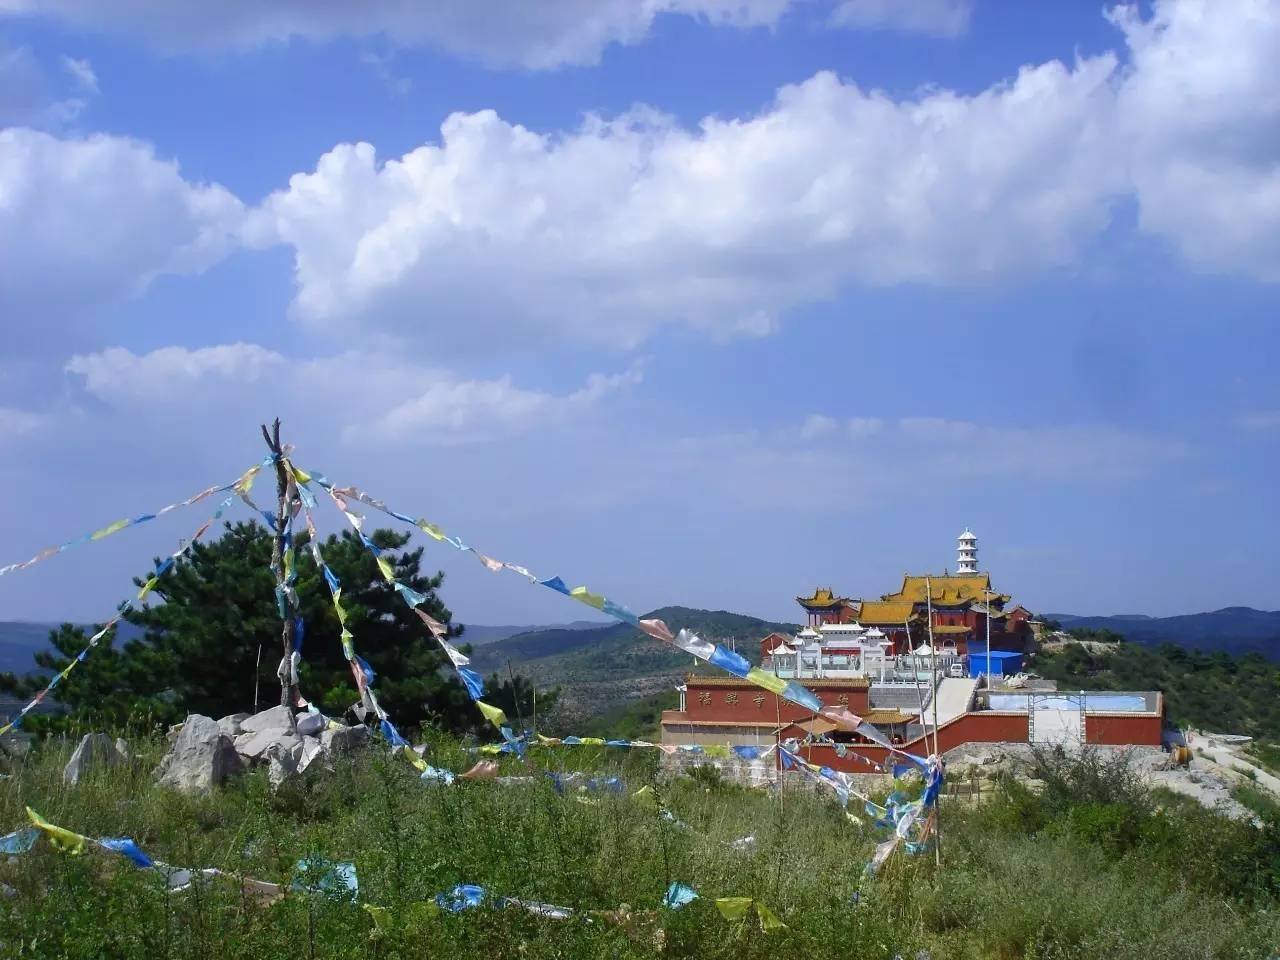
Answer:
(287, 745)
(202, 757)
(96, 751)
(232, 724)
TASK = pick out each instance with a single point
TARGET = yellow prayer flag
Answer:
(646, 797)
(491, 713)
(733, 908)
(385, 567)
(769, 921)
(108, 530)
(418, 763)
(587, 597)
(593, 741)
(718, 750)
(298, 474)
(762, 678)
(431, 530)
(62, 838)
(147, 587)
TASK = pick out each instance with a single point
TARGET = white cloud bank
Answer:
(387, 399)
(86, 220)
(608, 233)
(622, 226)
(535, 35)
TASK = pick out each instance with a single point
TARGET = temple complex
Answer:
(911, 662)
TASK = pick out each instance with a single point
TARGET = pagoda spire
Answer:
(967, 553)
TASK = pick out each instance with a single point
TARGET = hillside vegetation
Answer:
(1094, 867)
(600, 670)
(1215, 692)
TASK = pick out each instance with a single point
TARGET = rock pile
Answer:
(206, 752)
(96, 751)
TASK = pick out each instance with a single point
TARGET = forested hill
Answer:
(599, 670)
(1235, 630)
(715, 625)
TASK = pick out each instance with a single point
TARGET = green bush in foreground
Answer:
(1081, 870)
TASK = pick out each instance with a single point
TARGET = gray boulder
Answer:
(311, 751)
(282, 761)
(254, 746)
(232, 724)
(277, 718)
(344, 741)
(122, 748)
(201, 758)
(310, 724)
(96, 751)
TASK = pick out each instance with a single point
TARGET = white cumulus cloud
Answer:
(361, 396)
(118, 374)
(622, 226)
(1199, 119)
(92, 219)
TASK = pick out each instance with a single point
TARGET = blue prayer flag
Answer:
(725, 659)
(473, 682)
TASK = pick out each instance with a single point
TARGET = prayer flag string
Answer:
(686, 640)
(244, 482)
(471, 680)
(103, 532)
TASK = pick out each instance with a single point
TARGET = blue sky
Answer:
(693, 301)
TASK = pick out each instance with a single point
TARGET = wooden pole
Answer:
(272, 437)
(937, 680)
(515, 694)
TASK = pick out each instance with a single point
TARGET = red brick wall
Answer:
(1120, 729)
(747, 702)
(985, 727)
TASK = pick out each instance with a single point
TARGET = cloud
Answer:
(15, 423)
(82, 72)
(1259, 420)
(85, 220)
(449, 410)
(390, 401)
(1199, 119)
(938, 18)
(117, 374)
(623, 226)
(29, 96)
(542, 35)
(878, 461)
(608, 233)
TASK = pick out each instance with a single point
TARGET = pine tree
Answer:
(217, 629)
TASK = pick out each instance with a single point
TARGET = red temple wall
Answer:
(738, 702)
(985, 727)
(1121, 729)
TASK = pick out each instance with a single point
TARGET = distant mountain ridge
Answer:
(479, 634)
(21, 640)
(602, 668)
(1234, 630)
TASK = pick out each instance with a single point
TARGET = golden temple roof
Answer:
(887, 715)
(951, 628)
(876, 612)
(947, 589)
(822, 597)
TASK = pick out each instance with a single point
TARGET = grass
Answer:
(1090, 867)
(1265, 755)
